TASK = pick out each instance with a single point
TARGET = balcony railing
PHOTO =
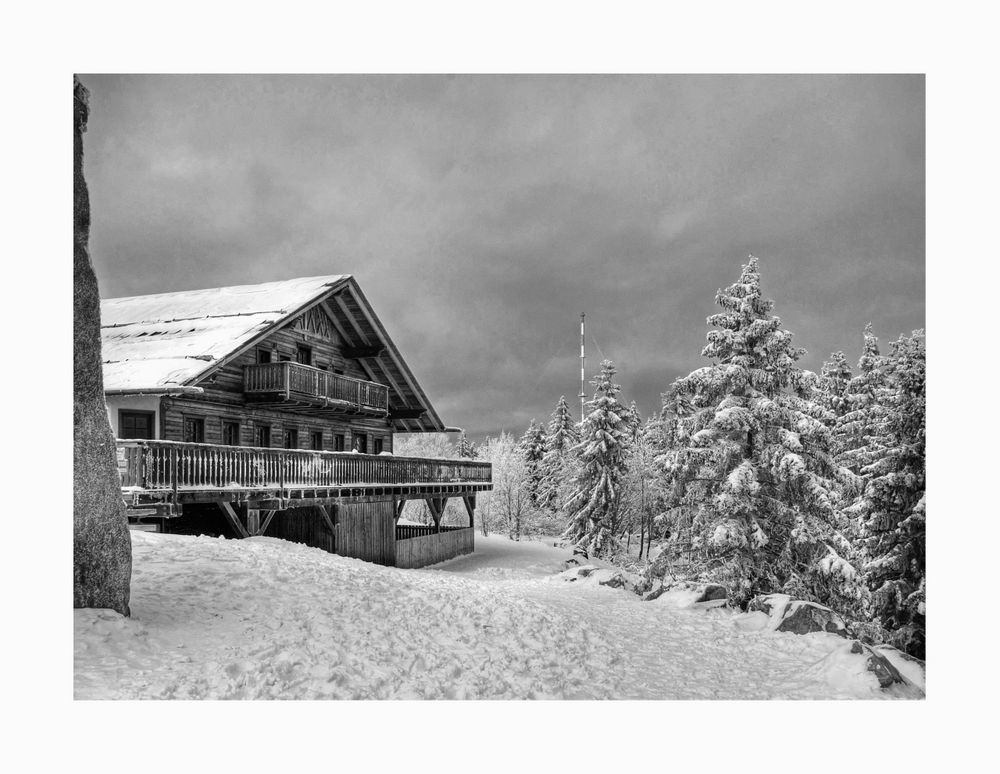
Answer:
(294, 381)
(164, 468)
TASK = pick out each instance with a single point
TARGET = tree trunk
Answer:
(102, 550)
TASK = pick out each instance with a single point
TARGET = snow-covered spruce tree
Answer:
(466, 449)
(532, 446)
(634, 420)
(592, 505)
(563, 432)
(892, 508)
(562, 435)
(863, 410)
(832, 388)
(749, 462)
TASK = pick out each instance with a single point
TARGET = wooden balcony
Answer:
(293, 385)
(170, 473)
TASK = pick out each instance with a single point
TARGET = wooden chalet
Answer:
(271, 409)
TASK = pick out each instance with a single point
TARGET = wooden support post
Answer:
(400, 504)
(253, 521)
(437, 510)
(234, 520)
(268, 515)
(323, 509)
(470, 506)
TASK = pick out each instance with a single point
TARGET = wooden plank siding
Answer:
(303, 525)
(173, 410)
(425, 550)
(224, 398)
(363, 531)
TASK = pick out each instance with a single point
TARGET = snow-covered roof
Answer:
(167, 340)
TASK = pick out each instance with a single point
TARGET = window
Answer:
(316, 440)
(231, 433)
(263, 436)
(263, 356)
(361, 443)
(194, 430)
(283, 358)
(378, 446)
(291, 438)
(136, 424)
(303, 354)
(339, 371)
(338, 442)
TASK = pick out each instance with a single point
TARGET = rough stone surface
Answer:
(616, 581)
(805, 617)
(712, 591)
(102, 549)
(654, 594)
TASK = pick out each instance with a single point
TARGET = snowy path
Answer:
(262, 618)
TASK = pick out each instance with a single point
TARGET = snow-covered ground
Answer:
(264, 618)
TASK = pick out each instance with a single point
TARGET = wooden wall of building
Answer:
(224, 399)
(367, 531)
(431, 549)
(302, 525)
(363, 531)
(173, 410)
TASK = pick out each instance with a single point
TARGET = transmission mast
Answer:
(583, 361)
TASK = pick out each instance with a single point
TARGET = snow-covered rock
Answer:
(601, 576)
(798, 616)
(878, 665)
(684, 594)
(912, 670)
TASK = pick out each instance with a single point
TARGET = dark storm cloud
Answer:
(481, 215)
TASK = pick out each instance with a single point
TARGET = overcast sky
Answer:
(481, 215)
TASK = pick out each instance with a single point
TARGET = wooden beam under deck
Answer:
(233, 519)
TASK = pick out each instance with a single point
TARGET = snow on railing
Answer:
(172, 465)
(291, 379)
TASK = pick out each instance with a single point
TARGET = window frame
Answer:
(228, 423)
(150, 415)
(313, 436)
(290, 432)
(257, 436)
(339, 442)
(199, 422)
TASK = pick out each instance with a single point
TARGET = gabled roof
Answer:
(168, 342)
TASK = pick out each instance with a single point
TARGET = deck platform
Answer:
(168, 474)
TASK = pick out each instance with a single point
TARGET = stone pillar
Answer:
(102, 549)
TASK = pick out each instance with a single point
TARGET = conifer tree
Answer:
(563, 432)
(892, 508)
(466, 449)
(562, 435)
(749, 461)
(863, 409)
(602, 451)
(834, 379)
(532, 446)
(634, 420)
